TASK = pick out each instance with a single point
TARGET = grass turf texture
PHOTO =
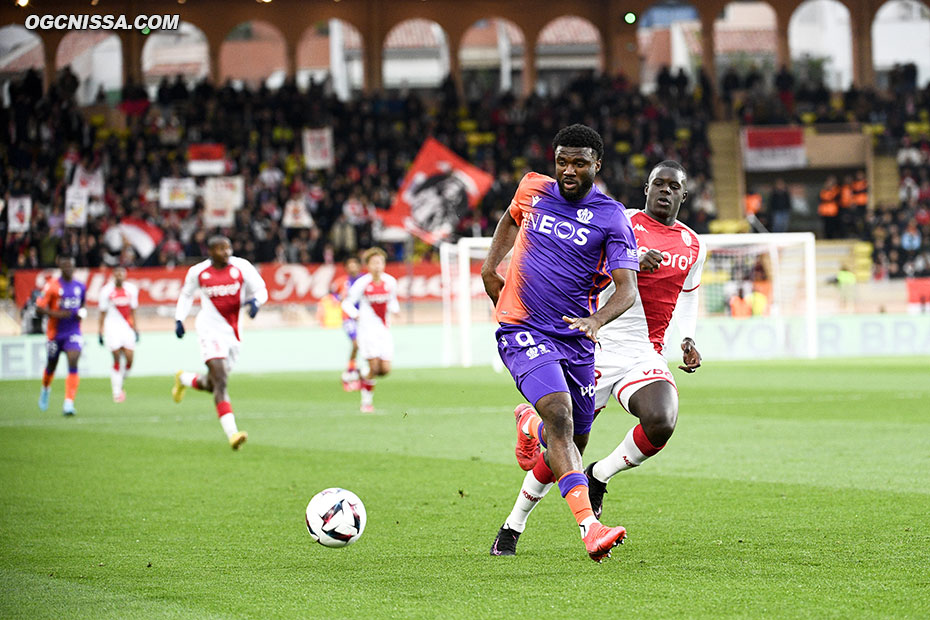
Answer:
(790, 489)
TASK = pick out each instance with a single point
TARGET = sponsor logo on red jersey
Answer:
(223, 287)
(119, 299)
(378, 297)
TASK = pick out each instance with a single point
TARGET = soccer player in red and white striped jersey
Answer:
(117, 329)
(226, 283)
(371, 300)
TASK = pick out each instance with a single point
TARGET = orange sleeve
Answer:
(530, 185)
(49, 295)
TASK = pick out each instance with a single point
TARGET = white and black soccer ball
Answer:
(336, 517)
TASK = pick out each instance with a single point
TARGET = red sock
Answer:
(116, 366)
(542, 472)
(222, 408)
(368, 385)
(71, 385)
(128, 365)
(642, 442)
(196, 383)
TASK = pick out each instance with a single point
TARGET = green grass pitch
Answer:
(790, 489)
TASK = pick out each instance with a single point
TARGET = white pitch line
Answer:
(79, 420)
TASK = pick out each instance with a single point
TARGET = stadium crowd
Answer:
(899, 231)
(376, 138)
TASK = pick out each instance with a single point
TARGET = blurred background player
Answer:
(116, 329)
(371, 299)
(62, 301)
(569, 241)
(351, 381)
(224, 281)
(630, 363)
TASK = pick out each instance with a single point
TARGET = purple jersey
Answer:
(562, 256)
(61, 295)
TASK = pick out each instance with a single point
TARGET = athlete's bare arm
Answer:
(617, 304)
(504, 236)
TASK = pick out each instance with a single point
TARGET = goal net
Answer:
(757, 299)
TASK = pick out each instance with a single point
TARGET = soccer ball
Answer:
(336, 517)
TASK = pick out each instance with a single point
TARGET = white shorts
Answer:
(218, 346)
(117, 337)
(623, 376)
(375, 341)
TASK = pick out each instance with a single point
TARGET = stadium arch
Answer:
(492, 56)
(20, 51)
(416, 47)
(167, 54)
(96, 59)
(820, 36)
(746, 39)
(254, 53)
(331, 49)
(670, 34)
(375, 18)
(900, 34)
(567, 47)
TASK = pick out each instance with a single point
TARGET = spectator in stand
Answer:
(779, 207)
(829, 208)
(908, 154)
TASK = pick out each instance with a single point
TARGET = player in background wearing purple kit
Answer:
(569, 241)
(351, 379)
(62, 301)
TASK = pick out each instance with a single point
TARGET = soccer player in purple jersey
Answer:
(62, 301)
(569, 241)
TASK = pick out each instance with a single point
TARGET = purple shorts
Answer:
(541, 365)
(350, 327)
(63, 342)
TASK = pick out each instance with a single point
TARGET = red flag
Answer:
(439, 189)
(206, 159)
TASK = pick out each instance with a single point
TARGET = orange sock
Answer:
(534, 426)
(71, 385)
(574, 488)
(47, 378)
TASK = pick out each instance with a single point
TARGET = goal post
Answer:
(775, 273)
(464, 302)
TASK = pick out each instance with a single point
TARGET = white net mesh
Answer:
(764, 276)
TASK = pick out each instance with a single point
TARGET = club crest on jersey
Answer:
(686, 238)
(584, 216)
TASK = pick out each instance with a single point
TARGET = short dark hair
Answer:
(579, 136)
(670, 163)
(217, 239)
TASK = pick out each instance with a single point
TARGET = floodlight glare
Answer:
(630, 17)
